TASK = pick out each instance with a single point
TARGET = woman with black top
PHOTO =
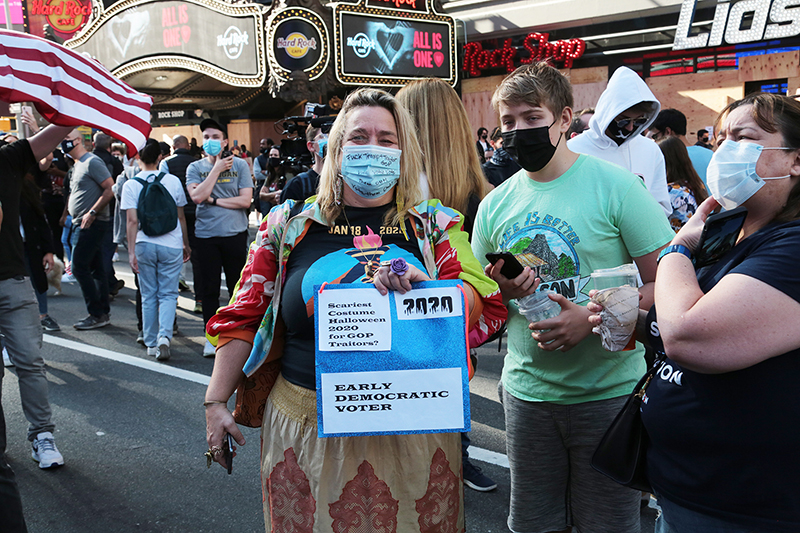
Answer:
(369, 210)
(722, 413)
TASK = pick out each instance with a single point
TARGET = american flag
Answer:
(70, 89)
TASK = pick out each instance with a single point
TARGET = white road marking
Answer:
(161, 368)
(479, 454)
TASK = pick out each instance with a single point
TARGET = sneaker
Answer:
(182, 285)
(44, 451)
(152, 351)
(6, 360)
(92, 322)
(140, 337)
(68, 277)
(116, 288)
(115, 257)
(475, 479)
(162, 351)
(198, 308)
(209, 350)
(48, 324)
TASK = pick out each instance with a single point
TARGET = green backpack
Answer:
(156, 210)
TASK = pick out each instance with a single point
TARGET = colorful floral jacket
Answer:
(444, 246)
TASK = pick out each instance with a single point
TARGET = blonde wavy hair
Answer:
(407, 191)
(450, 159)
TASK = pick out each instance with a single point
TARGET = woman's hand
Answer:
(689, 235)
(523, 285)
(569, 328)
(386, 280)
(219, 422)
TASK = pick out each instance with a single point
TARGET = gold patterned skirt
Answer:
(380, 484)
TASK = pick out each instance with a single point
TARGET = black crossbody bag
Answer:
(622, 452)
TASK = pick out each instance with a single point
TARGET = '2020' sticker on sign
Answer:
(391, 364)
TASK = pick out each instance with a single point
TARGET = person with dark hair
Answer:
(721, 413)
(686, 189)
(156, 259)
(38, 247)
(195, 150)
(501, 166)
(625, 109)
(222, 188)
(703, 139)
(165, 148)
(483, 146)
(89, 201)
(581, 122)
(176, 164)
(270, 192)
(305, 184)
(672, 123)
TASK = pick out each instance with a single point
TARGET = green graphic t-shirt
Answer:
(596, 215)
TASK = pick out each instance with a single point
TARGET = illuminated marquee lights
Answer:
(365, 7)
(771, 19)
(182, 62)
(537, 45)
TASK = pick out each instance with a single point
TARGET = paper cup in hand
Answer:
(619, 315)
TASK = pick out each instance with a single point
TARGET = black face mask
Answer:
(530, 148)
(275, 161)
(67, 146)
(619, 135)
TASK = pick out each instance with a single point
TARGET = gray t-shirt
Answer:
(215, 220)
(85, 189)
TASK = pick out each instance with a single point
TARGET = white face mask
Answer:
(731, 174)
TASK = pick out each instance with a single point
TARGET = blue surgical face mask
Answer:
(212, 147)
(321, 144)
(731, 174)
(370, 171)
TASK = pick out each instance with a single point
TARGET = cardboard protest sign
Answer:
(391, 364)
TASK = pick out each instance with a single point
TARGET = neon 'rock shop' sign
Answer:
(535, 47)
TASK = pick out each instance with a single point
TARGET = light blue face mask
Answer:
(321, 144)
(212, 147)
(731, 174)
(370, 171)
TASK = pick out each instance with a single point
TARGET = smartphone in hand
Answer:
(719, 236)
(227, 451)
(511, 267)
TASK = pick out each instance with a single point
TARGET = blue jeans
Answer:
(66, 239)
(159, 269)
(88, 266)
(677, 519)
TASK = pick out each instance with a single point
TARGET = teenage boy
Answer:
(563, 215)
(222, 188)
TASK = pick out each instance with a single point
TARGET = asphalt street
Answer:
(132, 432)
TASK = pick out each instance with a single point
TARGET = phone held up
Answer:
(719, 236)
(511, 267)
(227, 451)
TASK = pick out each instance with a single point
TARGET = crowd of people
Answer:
(566, 193)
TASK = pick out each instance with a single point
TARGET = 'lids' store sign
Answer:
(770, 19)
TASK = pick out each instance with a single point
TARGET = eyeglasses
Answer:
(637, 122)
